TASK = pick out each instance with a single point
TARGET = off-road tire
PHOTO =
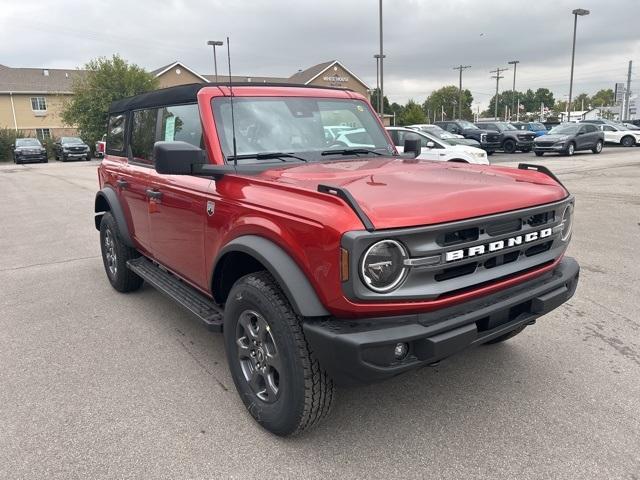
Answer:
(305, 391)
(509, 146)
(506, 336)
(539, 154)
(598, 148)
(123, 279)
(628, 141)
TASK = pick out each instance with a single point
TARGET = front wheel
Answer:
(539, 154)
(598, 147)
(571, 149)
(275, 373)
(509, 146)
(490, 152)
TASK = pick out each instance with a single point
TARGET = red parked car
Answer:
(322, 263)
(100, 147)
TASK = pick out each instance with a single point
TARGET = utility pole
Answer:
(497, 76)
(627, 94)
(513, 91)
(460, 68)
(381, 67)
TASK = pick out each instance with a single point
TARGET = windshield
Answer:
(437, 131)
(538, 126)
(71, 140)
(305, 126)
(503, 126)
(465, 124)
(28, 142)
(568, 128)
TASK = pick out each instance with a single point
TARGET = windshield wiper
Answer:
(267, 156)
(350, 151)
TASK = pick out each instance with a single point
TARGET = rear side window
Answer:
(591, 128)
(143, 135)
(115, 134)
(181, 123)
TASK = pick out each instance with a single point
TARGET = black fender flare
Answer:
(285, 270)
(109, 195)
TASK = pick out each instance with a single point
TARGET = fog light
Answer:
(401, 351)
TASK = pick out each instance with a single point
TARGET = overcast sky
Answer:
(423, 39)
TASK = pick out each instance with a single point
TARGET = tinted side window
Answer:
(143, 135)
(181, 123)
(590, 128)
(116, 129)
(452, 127)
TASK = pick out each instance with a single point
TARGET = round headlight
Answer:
(567, 222)
(382, 267)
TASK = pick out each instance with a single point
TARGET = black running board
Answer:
(202, 307)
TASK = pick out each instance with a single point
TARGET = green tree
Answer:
(412, 113)
(603, 98)
(581, 100)
(397, 110)
(375, 95)
(505, 99)
(529, 102)
(446, 99)
(542, 96)
(107, 79)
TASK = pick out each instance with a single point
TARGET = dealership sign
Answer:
(335, 79)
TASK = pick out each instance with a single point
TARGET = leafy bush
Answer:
(7, 138)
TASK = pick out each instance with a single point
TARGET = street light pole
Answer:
(381, 67)
(214, 44)
(582, 12)
(513, 91)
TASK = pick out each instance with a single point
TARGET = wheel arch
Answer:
(250, 253)
(107, 201)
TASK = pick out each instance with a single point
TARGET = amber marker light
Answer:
(344, 264)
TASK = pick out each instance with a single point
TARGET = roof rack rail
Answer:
(541, 169)
(345, 195)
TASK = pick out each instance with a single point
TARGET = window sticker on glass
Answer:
(169, 129)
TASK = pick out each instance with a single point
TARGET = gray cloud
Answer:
(423, 39)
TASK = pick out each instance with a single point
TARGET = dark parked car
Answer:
(489, 141)
(537, 128)
(567, 138)
(512, 139)
(27, 150)
(70, 148)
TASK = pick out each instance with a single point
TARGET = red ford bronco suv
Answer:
(322, 263)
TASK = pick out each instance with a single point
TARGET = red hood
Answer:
(404, 193)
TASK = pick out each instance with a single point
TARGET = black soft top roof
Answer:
(157, 98)
(182, 94)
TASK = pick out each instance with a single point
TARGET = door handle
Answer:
(122, 183)
(154, 194)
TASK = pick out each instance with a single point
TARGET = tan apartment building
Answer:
(31, 99)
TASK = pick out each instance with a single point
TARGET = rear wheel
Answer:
(509, 146)
(598, 147)
(115, 255)
(628, 141)
(276, 375)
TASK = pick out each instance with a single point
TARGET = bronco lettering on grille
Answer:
(497, 245)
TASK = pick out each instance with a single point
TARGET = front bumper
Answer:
(362, 351)
(490, 146)
(556, 147)
(524, 143)
(31, 158)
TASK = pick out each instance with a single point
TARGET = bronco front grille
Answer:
(463, 255)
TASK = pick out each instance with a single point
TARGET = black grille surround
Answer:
(437, 277)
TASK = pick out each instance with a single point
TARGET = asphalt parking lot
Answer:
(97, 384)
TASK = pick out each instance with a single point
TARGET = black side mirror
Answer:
(182, 158)
(177, 158)
(413, 146)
